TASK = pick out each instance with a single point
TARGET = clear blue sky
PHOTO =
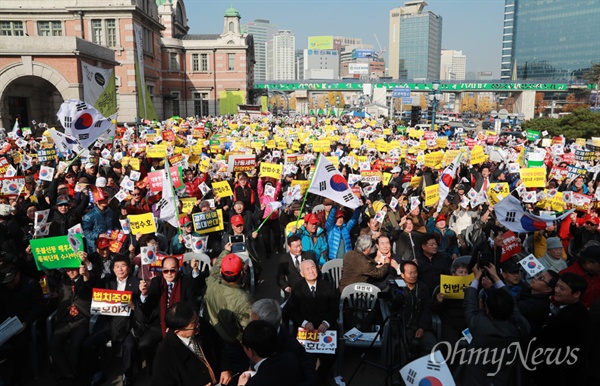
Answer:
(473, 26)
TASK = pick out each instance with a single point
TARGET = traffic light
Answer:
(415, 115)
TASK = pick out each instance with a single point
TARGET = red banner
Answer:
(511, 246)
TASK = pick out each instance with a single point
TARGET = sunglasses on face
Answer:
(170, 271)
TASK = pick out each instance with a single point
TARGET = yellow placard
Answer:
(292, 224)
(557, 202)
(222, 189)
(442, 142)
(156, 151)
(134, 163)
(187, 204)
(432, 194)
(303, 185)
(452, 286)
(497, 192)
(215, 228)
(321, 146)
(296, 146)
(433, 159)
(271, 170)
(271, 144)
(142, 223)
(334, 159)
(205, 165)
(580, 141)
(355, 143)
(415, 181)
(449, 156)
(477, 155)
(387, 177)
(415, 133)
(533, 177)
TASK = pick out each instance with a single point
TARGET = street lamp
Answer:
(435, 96)
(361, 100)
(337, 103)
(327, 106)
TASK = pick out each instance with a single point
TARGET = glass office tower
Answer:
(553, 40)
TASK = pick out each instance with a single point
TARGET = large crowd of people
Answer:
(241, 189)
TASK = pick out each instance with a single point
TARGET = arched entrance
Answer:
(30, 98)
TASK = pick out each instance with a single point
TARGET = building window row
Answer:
(104, 32)
(12, 28)
(199, 62)
(49, 28)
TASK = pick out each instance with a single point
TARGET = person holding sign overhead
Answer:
(269, 190)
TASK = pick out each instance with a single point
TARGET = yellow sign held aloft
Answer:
(222, 189)
(142, 223)
(432, 194)
(452, 287)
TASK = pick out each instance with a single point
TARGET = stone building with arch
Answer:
(43, 44)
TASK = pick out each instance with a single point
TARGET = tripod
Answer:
(395, 324)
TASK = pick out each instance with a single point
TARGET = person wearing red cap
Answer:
(187, 230)
(228, 308)
(445, 238)
(583, 232)
(98, 262)
(313, 238)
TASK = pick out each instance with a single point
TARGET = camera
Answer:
(238, 243)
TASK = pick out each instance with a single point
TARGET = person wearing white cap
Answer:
(397, 175)
(89, 172)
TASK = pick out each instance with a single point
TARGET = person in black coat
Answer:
(288, 271)
(120, 330)
(270, 311)
(498, 326)
(272, 368)
(65, 215)
(190, 353)
(72, 322)
(155, 300)
(569, 331)
(313, 305)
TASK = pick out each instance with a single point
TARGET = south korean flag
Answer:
(328, 182)
(83, 122)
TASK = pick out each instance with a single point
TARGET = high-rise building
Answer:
(280, 55)
(453, 65)
(299, 64)
(549, 39)
(415, 42)
(262, 31)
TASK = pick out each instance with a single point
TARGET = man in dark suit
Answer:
(121, 336)
(288, 272)
(567, 332)
(272, 369)
(191, 352)
(313, 305)
(169, 288)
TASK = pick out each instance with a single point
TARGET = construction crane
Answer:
(381, 50)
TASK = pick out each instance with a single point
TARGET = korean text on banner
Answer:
(317, 342)
(452, 286)
(271, 170)
(207, 222)
(188, 204)
(56, 252)
(222, 189)
(477, 155)
(432, 194)
(534, 177)
(110, 302)
(142, 223)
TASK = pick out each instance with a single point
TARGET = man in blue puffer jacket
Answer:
(96, 222)
(338, 232)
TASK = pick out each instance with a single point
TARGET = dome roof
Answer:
(232, 12)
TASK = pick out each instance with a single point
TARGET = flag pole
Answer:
(307, 189)
(265, 220)
(170, 180)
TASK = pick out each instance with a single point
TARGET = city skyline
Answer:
(472, 26)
